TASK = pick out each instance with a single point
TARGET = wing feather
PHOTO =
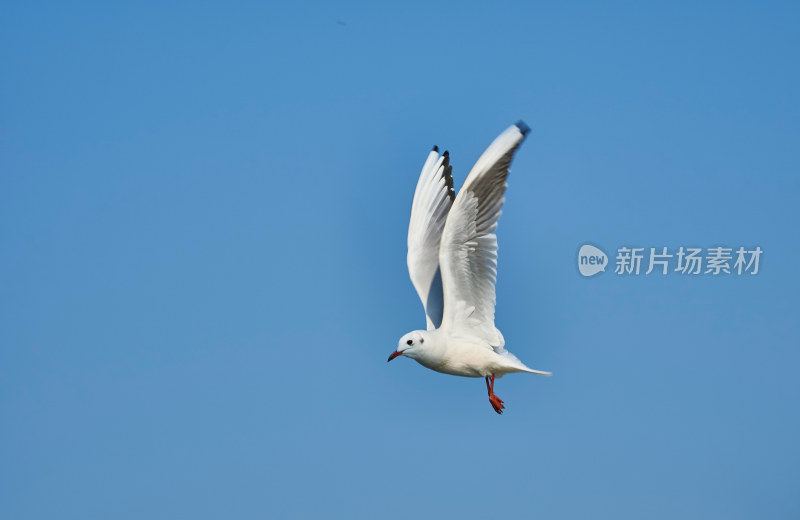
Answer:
(468, 251)
(432, 201)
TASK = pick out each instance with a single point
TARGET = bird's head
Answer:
(410, 345)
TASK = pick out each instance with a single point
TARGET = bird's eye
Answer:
(410, 342)
(421, 340)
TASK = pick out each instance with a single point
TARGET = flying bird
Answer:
(452, 262)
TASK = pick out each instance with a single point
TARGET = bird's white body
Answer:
(463, 356)
(452, 262)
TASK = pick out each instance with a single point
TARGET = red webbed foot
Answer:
(496, 403)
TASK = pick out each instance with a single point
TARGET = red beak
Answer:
(394, 355)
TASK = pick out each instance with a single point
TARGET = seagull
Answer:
(452, 262)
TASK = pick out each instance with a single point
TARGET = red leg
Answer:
(495, 401)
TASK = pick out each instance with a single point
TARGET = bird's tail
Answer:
(517, 364)
(537, 372)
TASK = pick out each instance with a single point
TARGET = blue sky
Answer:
(203, 211)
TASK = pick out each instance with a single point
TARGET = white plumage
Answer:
(452, 262)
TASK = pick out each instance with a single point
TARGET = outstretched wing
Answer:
(432, 200)
(468, 252)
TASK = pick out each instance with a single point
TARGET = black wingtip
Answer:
(523, 127)
(435, 148)
(446, 153)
